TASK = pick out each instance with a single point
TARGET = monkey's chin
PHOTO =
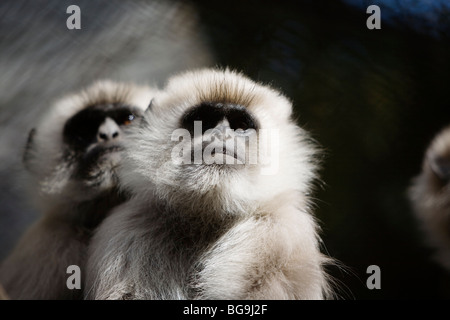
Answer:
(222, 156)
(98, 156)
(225, 159)
(223, 169)
(97, 169)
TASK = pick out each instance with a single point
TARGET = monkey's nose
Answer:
(108, 130)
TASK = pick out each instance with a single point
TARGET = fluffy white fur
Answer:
(209, 232)
(36, 268)
(430, 196)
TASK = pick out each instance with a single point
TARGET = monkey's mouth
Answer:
(224, 151)
(220, 154)
(226, 156)
(100, 151)
(103, 157)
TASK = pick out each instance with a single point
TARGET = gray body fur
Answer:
(207, 231)
(72, 206)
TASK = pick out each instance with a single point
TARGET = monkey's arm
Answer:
(119, 258)
(107, 263)
(273, 256)
(132, 256)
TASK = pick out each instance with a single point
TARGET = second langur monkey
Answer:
(208, 223)
(72, 156)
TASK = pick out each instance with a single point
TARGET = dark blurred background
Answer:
(373, 99)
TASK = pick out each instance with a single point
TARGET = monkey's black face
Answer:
(99, 123)
(212, 114)
(94, 137)
(220, 131)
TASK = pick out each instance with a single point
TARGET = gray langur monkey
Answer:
(205, 221)
(72, 156)
(430, 196)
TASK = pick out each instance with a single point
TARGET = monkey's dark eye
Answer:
(130, 118)
(242, 126)
(81, 129)
(241, 120)
(206, 113)
(122, 116)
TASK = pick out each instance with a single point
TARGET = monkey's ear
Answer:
(150, 105)
(29, 148)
